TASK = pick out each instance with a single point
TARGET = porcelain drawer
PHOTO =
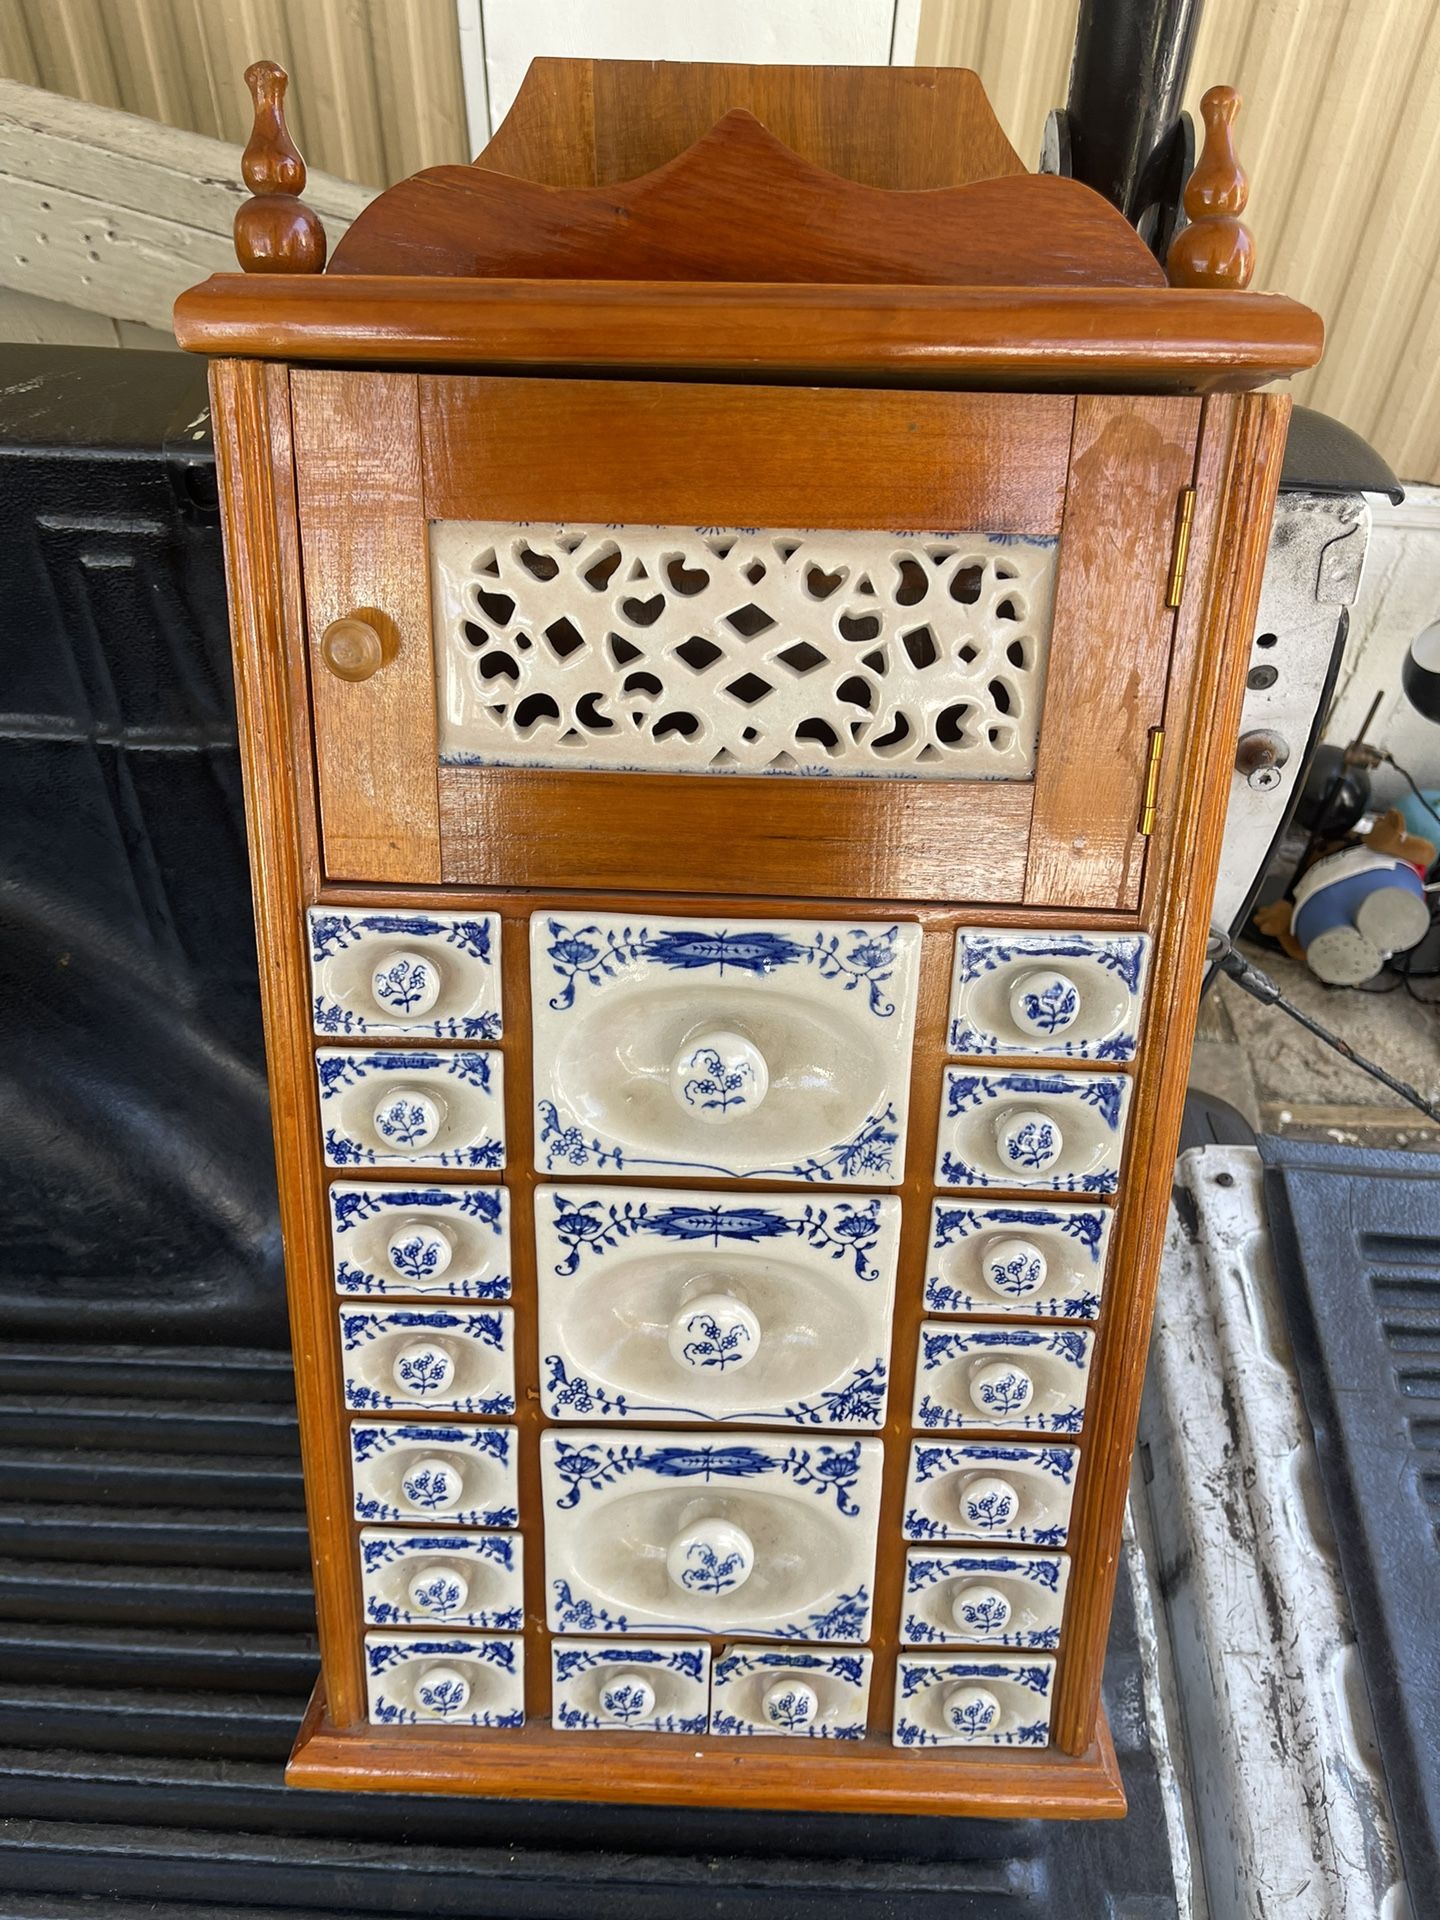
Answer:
(598, 1686)
(990, 1490)
(1062, 1132)
(774, 1050)
(754, 1534)
(444, 1680)
(971, 1597)
(426, 975)
(974, 1700)
(448, 1241)
(422, 1109)
(462, 1476)
(814, 1693)
(1002, 1258)
(429, 1359)
(433, 1578)
(1069, 995)
(774, 1307)
(971, 1375)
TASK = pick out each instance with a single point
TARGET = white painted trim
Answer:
(474, 74)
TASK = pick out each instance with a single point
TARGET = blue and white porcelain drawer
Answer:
(1036, 1260)
(463, 1476)
(807, 1693)
(753, 1534)
(451, 1680)
(1075, 996)
(429, 1359)
(974, 1700)
(391, 1109)
(1061, 1132)
(427, 1577)
(452, 1242)
(990, 1490)
(699, 1308)
(775, 1050)
(425, 975)
(971, 1375)
(599, 1686)
(980, 1597)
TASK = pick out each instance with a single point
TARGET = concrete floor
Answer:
(1283, 1080)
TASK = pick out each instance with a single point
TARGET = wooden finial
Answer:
(1215, 250)
(275, 232)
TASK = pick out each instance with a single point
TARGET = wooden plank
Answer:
(1109, 647)
(876, 839)
(655, 454)
(362, 523)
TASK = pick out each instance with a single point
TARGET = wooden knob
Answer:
(352, 649)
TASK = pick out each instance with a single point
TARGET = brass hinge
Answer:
(1180, 552)
(1146, 822)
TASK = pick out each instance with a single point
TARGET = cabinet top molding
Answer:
(742, 257)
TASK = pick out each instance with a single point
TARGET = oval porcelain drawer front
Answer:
(993, 1599)
(428, 975)
(974, 1700)
(774, 1050)
(1062, 1132)
(461, 1476)
(751, 1534)
(444, 1680)
(971, 1375)
(772, 1307)
(429, 1359)
(1032, 1260)
(387, 1108)
(1064, 995)
(599, 1687)
(990, 1490)
(452, 1242)
(807, 1693)
(429, 1577)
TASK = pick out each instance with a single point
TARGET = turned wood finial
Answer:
(275, 232)
(1216, 249)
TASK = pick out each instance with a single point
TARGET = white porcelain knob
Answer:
(988, 1503)
(423, 1368)
(627, 1696)
(432, 1483)
(1000, 1389)
(439, 1590)
(712, 1556)
(1043, 1002)
(790, 1704)
(715, 1334)
(405, 984)
(1012, 1267)
(718, 1075)
(443, 1691)
(1028, 1139)
(972, 1712)
(419, 1252)
(407, 1118)
(980, 1611)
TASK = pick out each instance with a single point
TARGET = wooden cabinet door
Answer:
(861, 721)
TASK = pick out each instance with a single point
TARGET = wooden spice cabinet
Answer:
(337, 464)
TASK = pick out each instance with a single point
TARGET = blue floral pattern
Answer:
(348, 1123)
(1092, 1149)
(1066, 1294)
(477, 1218)
(938, 1471)
(1015, 1684)
(1106, 1034)
(1043, 1401)
(586, 1696)
(423, 1357)
(827, 1470)
(932, 1582)
(869, 1157)
(349, 1007)
(857, 1400)
(410, 1681)
(391, 1482)
(492, 1559)
(743, 1675)
(586, 1228)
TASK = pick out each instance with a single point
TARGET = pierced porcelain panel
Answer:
(598, 1687)
(393, 1109)
(1036, 1260)
(430, 975)
(445, 1241)
(420, 1679)
(1075, 995)
(994, 1599)
(991, 1491)
(974, 1701)
(754, 1534)
(456, 1475)
(1059, 1131)
(769, 1049)
(432, 1578)
(429, 1359)
(774, 1308)
(793, 1692)
(741, 650)
(976, 1376)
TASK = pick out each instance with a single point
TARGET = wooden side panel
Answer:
(1109, 647)
(362, 524)
(878, 839)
